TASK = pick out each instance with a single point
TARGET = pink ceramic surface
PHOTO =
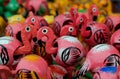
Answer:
(113, 22)
(115, 39)
(28, 35)
(32, 67)
(111, 74)
(94, 33)
(99, 56)
(5, 72)
(37, 21)
(60, 21)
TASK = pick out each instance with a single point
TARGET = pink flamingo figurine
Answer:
(25, 33)
(8, 46)
(28, 35)
(99, 56)
(37, 21)
(66, 50)
(60, 21)
(94, 33)
(93, 12)
(32, 67)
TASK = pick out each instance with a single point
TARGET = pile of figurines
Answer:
(73, 45)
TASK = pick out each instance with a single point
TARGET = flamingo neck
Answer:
(25, 39)
(90, 15)
(49, 46)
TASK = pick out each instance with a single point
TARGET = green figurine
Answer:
(12, 6)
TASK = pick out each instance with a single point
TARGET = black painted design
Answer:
(99, 37)
(112, 60)
(26, 74)
(71, 55)
(4, 55)
(42, 48)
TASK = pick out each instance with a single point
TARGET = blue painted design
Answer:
(109, 69)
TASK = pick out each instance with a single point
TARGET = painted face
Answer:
(26, 74)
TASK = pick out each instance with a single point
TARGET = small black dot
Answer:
(27, 29)
(44, 30)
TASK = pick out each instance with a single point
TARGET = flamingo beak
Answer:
(95, 18)
(34, 39)
(41, 43)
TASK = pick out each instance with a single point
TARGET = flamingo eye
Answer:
(33, 19)
(44, 31)
(94, 9)
(27, 29)
(81, 19)
(71, 29)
